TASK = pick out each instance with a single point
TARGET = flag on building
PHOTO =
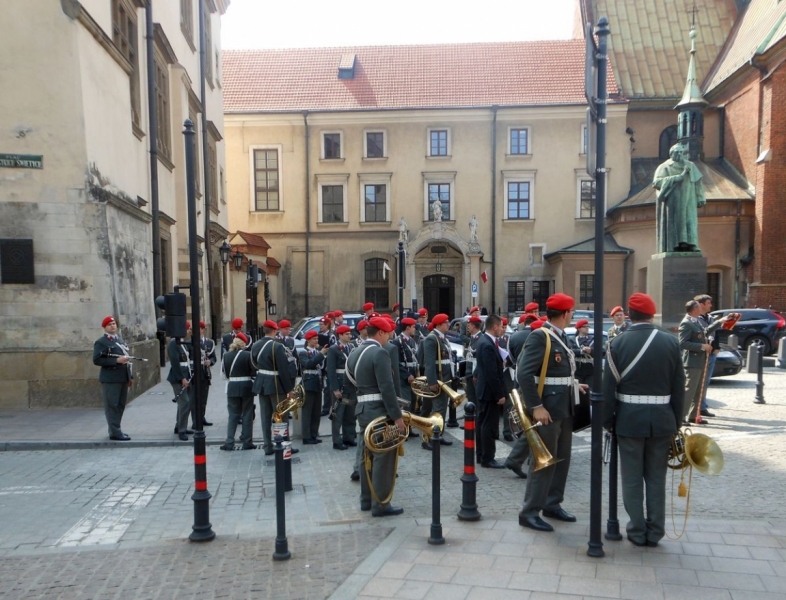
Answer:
(484, 276)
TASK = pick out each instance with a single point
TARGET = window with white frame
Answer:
(438, 142)
(332, 195)
(586, 199)
(266, 192)
(332, 145)
(439, 187)
(375, 144)
(519, 141)
(519, 188)
(374, 197)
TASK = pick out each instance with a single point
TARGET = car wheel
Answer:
(759, 339)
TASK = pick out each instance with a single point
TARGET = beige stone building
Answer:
(336, 154)
(77, 187)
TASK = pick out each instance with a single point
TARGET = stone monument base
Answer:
(673, 278)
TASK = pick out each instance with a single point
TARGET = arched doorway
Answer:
(439, 294)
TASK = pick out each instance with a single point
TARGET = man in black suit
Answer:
(490, 389)
(110, 353)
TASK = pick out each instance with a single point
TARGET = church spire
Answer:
(690, 124)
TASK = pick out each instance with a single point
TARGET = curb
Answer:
(23, 446)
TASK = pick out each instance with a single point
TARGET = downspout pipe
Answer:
(308, 210)
(625, 277)
(494, 110)
(152, 126)
(207, 177)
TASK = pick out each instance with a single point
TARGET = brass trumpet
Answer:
(382, 434)
(288, 404)
(520, 424)
(421, 388)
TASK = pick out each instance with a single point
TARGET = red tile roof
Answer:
(407, 77)
(253, 239)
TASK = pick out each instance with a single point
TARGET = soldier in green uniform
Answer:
(342, 415)
(370, 368)
(437, 362)
(620, 324)
(553, 409)
(643, 393)
(181, 371)
(208, 352)
(311, 369)
(239, 372)
(474, 329)
(407, 363)
(226, 339)
(110, 353)
(421, 329)
(695, 349)
(274, 382)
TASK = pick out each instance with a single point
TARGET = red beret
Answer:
(408, 322)
(532, 306)
(361, 325)
(396, 305)
(615, 310)
(311, 333)
(581, 323)
(368, 306)
(237, 323)
(188, 324)
(536, 325)
(374, 314)
(504, 321)
(422, 312)
(382, 324)
(107, 321)
(642, 303)
(439, 319)
(338, 313)
(430, 326)
(343, 329)
(242, 336)
(559, 302)
(283, 323)
(270, 324)
(475, 319)
(202, 325)
(474, 309)
(326, 321)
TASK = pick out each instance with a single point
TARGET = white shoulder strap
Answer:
(259, 354)
(232, 366)
(613, 367)
(349, 373)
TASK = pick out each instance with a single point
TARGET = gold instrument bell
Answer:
(382, 435)
(520, 424)
(290, 404)
(421, 388)
(696, 450)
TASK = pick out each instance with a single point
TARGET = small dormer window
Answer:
(346, 67)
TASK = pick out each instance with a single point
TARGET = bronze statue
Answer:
(680, 193)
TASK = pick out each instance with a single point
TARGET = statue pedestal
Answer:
(673, 278)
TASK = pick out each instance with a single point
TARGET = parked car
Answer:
(306, 324)
(728, 362)
(755, 325)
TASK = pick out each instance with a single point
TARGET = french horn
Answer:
(288, 404)
(382, 434)
(421, 389)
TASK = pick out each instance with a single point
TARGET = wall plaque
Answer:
(22, 161)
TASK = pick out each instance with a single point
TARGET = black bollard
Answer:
(282, 429)
(469, 506)
(612, 523)
(435, 539)
(759, 374)
(282, 550)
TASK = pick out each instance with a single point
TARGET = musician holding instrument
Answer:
(546, 372)
(110, 353)
(474, 330)
(273, 382)
(370, 369)
(239, 373)
(208, 351)
(643, 390)
(437, 363)
(342, 411)
(181, 372)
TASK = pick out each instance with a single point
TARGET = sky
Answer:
(318, 23)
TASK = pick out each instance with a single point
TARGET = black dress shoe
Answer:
(636, 542)
(350, 443)
(311, 441)
(426, 446)
(651, 544)
(318, 440)
(516, 469)
(706, 413)
(492, 464)
(176, 431)
(355, 476)
(390, 511)
(445, 442)
(227, 447)
(207, 423)
(559, 514)
(294, 450)
(535, 523)
(339, 447)
(365, 507)
(120, 438)
(695, 422)
(508, 437)
(183, 437)
(250, 447)
(269, 452)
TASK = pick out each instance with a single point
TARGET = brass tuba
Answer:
(382, 435)
(520, 424)
(288, 404)
(421, 388)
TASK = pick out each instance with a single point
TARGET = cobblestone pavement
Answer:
(73, 518)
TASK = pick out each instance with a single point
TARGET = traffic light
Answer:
(174, 320)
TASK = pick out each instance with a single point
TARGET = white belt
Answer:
(266, 372)
(445, 361)
(310, 372)
(240, 379)
(411, 365)
(587, 359)
(185, 364)
(341, 371)
(369, 397)
(638, 399)
(555, 380)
